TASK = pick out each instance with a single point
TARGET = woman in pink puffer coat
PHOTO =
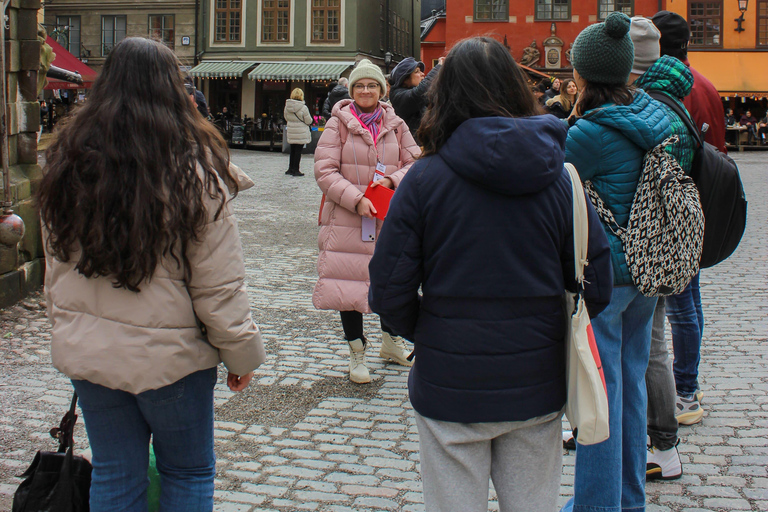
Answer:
(361, 133)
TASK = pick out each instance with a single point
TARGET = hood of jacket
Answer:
(403, 70)
(642, 121)
(293, 106)
(512, 156)
(669, 75)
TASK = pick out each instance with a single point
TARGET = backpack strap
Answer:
(666, 99)
(605, 214)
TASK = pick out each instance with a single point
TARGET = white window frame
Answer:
(212, 42)
(291, 26)
(342, 32)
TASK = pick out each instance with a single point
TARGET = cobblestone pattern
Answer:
(351, 452)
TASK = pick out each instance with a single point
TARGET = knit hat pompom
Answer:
(603, 52)
(617, 25)
(367, 69)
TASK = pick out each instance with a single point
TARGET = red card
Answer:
(380, 196)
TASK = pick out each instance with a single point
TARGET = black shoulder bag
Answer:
(56, 481)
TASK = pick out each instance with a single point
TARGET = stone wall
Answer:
(22, 267)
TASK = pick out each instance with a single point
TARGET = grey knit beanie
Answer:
(367, 69)
(645, 38)
(603, 52)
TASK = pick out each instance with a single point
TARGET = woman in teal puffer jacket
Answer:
(614, 127)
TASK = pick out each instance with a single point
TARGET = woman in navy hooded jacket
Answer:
(484, 224)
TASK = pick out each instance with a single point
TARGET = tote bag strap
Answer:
(580, 226)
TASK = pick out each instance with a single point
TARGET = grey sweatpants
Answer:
(523, 458)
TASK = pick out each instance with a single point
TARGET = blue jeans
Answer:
(687, 320)
(179, 417)
(610, 476)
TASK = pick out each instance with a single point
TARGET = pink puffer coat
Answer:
(343, 262)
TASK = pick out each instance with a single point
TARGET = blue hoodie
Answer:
(607, 146)
(485, 227)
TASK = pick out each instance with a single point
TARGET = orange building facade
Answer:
(736, 62)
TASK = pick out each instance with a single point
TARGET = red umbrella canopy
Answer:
(67, 61)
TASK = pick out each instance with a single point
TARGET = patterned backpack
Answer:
(665, 232)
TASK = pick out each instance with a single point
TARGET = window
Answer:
(762, 23)
(491, 10)
(706, 19)
(326, 21)
(161, 28)
(112, 32)
(553, 9)
(382, 26)
(606, 7)
(67, 33)
(228, 20)
(275, 16)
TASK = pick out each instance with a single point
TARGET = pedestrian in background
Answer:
(561, 105)
(298, 121)
(337, 93)
(488, 383)
(409, 89)
(363, 139)
(145, 279)
(615, 126)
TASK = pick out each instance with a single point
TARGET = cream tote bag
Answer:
(587, 403)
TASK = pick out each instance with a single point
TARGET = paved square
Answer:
(302, 437)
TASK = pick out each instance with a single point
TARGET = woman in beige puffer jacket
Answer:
(297, 132)
(145, 278)
(345, 163)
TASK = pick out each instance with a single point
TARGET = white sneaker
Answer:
(688, 410)
(569, 443)
(358, 372)
(394, 349)
(663, 464)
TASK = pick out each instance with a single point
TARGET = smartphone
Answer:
(369, 230)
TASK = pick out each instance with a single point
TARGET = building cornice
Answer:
(106, 6)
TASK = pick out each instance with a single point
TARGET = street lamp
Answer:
(387, 61)
(740, 19)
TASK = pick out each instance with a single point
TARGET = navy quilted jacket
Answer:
(485, 228)
(607, 146)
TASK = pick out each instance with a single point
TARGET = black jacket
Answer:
(411, 102)
(485, 227)
(337, 94)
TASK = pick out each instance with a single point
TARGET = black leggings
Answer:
(352, 323)
(295, 156)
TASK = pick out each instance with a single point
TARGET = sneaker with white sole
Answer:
(698, 394)
(688, 410)
(569, 442)
(663, 464)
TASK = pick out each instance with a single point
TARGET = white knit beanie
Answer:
(367, 69)
(645, 36)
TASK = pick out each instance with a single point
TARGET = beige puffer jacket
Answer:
(297, 116)
(342, 265)
(140, 341)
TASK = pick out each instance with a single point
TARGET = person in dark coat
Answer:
(338, 93)
(202, 105)
(409, 89)
(483, 224)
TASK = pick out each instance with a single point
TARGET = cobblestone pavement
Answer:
(303, 438)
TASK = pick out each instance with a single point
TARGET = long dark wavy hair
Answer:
(593, 95)
(479, 78)
(121, 188)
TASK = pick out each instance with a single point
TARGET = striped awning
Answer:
(299, 71)
(228, 69)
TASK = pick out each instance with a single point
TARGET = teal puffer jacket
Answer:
(607, 146)
(672, 77)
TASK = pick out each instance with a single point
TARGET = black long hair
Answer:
(479, 78)
(121, 188)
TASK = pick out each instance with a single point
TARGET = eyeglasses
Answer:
(370, 87)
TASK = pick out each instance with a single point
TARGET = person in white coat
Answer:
(299, 120)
